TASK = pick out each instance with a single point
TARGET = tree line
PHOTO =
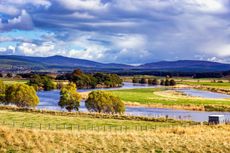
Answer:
(95, 80)
(164, 82)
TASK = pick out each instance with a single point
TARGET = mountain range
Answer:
(61, 63)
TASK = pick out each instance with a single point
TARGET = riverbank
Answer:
(165, 98)
(223, 88)
(171, 99)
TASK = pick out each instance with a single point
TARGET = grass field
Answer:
(12, 81)
(156, 96)
(206, 83)
(27, 119)
(197, 139)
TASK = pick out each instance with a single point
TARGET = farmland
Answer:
(34, 120)
(200, 139)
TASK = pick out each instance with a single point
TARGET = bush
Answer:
(69, 99)
(21, 95)
(104, 102)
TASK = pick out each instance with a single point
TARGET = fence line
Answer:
(77, 127)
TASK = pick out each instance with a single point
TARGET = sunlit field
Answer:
(34, 120)
(162, 96)
(12, 81)
(200, 139)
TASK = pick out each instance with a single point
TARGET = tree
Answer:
(135, 80)
(69, 99)
(48, 84)
(21, 95)
(150, 81)
(9, 75)
(155, 82)
(42, 82)
(162, 82)
(2, 91)
(172, 82)
(104, 102)
(143, 81)
(167, 82)
(95, 80)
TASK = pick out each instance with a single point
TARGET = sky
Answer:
(120, 31)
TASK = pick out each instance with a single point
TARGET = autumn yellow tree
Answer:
(21, 95)
(104, 102)
(70, 98)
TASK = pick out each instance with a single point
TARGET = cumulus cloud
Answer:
(31, 49)
(23, 22)
(23, 3)
(83, 4)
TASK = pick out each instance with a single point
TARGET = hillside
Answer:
(187, 65)
(12, 62)
(61, 63)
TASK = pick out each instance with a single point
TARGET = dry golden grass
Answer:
(198, 139)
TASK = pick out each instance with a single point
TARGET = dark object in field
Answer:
(216, 119)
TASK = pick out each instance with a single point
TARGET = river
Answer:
(49, 101)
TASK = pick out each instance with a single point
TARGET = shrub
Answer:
(104, 102)
(69, 99)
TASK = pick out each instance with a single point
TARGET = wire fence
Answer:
(77, 127)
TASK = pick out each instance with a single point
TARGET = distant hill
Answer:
(187, 66)
(52, 62)
(61, 63)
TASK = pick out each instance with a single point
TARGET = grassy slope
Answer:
(200, 139)
(27, 118)
(147, 96)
